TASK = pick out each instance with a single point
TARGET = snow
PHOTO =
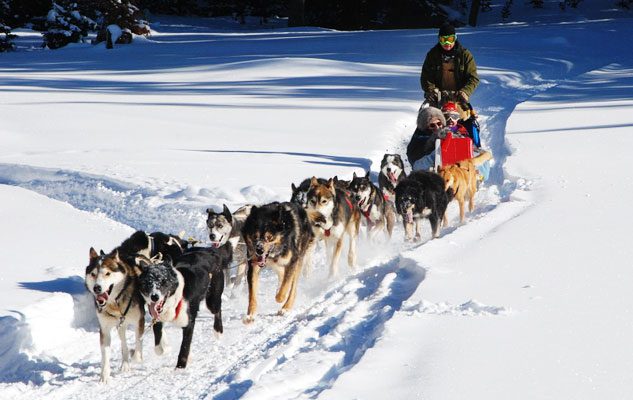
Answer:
(530, 298)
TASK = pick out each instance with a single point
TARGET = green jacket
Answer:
(465, 70)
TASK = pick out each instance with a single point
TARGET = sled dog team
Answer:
(172, 276)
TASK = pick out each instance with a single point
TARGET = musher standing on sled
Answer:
(449, 66)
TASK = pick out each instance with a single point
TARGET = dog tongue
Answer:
(392, 177)
(261, 260)
(102, 298)
(215, 244)
(153, 310)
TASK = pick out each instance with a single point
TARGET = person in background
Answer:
(448, 66)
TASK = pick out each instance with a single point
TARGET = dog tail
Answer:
(482, 158)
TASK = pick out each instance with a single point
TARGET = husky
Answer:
(173, 292)
(226, 227)
(378, 212)
(278, 235)
(333, 214)
(112, 282)
(300, 193)
(421, 195)
(391, 174)
(149, 245)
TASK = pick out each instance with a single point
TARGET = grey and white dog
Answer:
(226, 227)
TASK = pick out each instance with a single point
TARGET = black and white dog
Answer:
(149, 245)
(380, 215)
(421, 195)
(112, 280)
(391, 174)
(225, 228)
(173, 292)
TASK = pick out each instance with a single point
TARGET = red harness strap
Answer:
(349, 204)
(178, 308)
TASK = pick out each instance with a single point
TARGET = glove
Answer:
(433, 97)
(463, 96)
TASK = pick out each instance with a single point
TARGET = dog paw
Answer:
(247, 320)
(125, 366)
(137, 356)
(282, 312)
(104, 380)
(162, 349)
(218, 335)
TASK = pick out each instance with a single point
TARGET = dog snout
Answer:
(212, 237)
(97, 289)
(259, 249)
(154, 297)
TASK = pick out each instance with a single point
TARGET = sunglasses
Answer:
(434, 125)
(448, 39)
(453, 116)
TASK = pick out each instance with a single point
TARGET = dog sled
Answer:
(455, 147)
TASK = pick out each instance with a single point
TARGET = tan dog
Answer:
(461, 178)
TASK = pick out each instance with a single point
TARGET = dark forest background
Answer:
(68, 21)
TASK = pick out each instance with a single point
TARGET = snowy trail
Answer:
(332, 326)
(335, 328)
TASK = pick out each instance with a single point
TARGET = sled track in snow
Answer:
(140, 208)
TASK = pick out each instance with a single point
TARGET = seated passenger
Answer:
(430, 126)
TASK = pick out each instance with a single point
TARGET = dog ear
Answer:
(93, 253)
(367, 174)
(293, 187)
(227, 213)
(354, 175)
(210, 211)
(102, 253)
(314, 181)
(330, 184)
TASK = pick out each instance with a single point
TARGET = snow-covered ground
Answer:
(530, 299)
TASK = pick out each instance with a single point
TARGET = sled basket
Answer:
(454, 149)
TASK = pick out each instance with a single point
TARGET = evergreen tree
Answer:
(24, 12)
(506, 10)
(537, 3)
(6, 37)
(571, 3)
(124, 14)
(65, 24)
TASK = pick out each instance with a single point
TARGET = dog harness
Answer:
(349, 204)
(129, 303)
(178, 308)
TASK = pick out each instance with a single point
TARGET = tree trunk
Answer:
(296, 12)
(474, 12)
